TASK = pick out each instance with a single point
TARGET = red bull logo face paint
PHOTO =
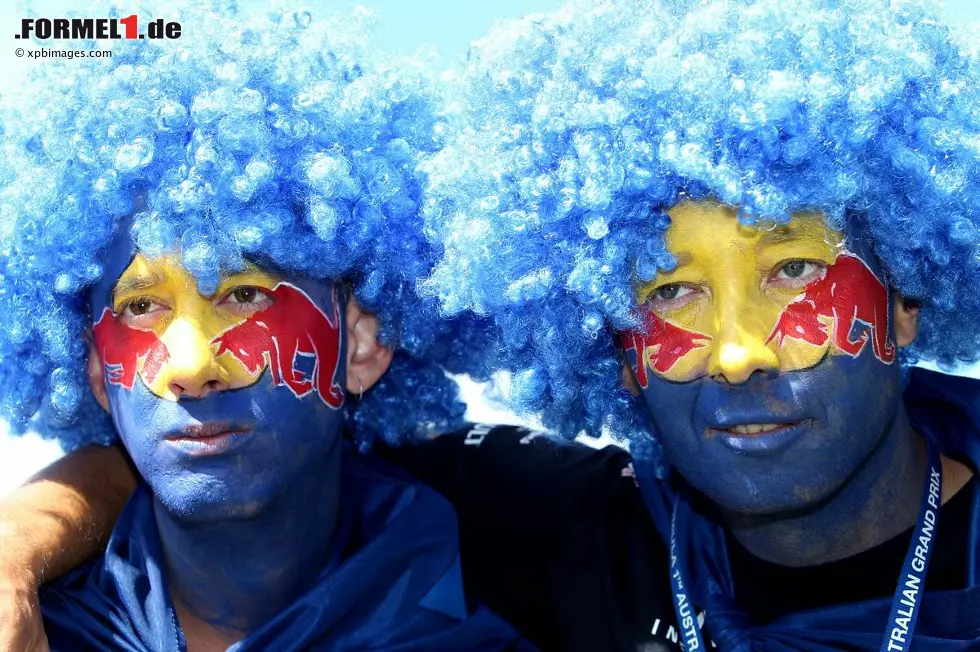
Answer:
(279, 336)
(659, 345)
(180, 343)
(127, 352)
(790, 383)
(743, 299)
(848, 296)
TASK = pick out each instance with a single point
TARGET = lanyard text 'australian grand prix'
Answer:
(911, 583)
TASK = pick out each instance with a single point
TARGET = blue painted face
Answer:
(783, 390)
(221, 400)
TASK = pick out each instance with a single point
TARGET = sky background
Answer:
(403, 26)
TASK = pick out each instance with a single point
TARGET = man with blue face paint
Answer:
(760, 215)
(248, 487)
(202, 214)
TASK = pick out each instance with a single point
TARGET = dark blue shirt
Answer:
(395, 583)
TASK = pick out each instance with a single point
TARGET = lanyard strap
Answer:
(687, 620)
(908, 595)
(911, 583)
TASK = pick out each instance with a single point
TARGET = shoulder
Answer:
(528, 482)
(542, 476)
(535, 452)
(550, 466)
(78, 615)
(378, 491)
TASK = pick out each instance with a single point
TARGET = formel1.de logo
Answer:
(96, 28)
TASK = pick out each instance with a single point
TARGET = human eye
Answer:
(797, 273)
(672, 296)
(141, 311)
(247, 299)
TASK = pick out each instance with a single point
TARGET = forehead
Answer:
(125, 266)
(709, 223)
(145, 271)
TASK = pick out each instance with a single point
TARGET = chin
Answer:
(207, 499)
(213, 512)
(749, 503)
(781, 490)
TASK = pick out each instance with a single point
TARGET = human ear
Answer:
(96, 375)
(367, 359)
(629, 380)
(906, 316)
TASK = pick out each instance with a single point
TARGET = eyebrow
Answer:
(137, 282)
(234, 277)
(784, 233)
(682, 258)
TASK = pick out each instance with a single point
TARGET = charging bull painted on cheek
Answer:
(128, 351)
(293, 326)
(848, 294)
(659, 344)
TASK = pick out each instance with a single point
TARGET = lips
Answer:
(209, 438)
(206, 430)
(749, 429)
(763, 438)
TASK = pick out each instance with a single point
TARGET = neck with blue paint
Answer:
(236, 574)
(879, 501)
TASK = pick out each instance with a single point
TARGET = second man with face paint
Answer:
(722, 231)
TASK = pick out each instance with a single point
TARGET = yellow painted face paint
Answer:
(743, 299)
(164, 330)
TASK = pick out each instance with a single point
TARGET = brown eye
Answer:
(139, 306)
(671, 296)
(244, 295)
(247, 299)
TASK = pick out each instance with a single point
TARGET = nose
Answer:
(191, 370)
(739, 353)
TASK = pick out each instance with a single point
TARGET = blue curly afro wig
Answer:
(282, 137)
(578, 129)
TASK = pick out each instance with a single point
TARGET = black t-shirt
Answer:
(556, 538)
(773, 590)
